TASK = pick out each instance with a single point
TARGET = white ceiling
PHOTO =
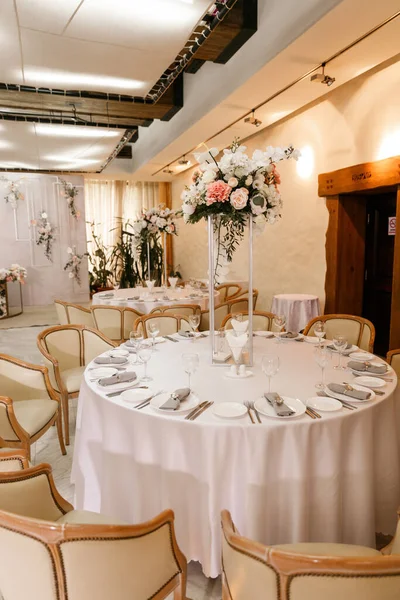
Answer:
(54, 147)
(104, 45)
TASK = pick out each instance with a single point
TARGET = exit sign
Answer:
(392, 226)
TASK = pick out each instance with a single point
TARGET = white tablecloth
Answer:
(298, 309)
(148, 302)
(335, 479)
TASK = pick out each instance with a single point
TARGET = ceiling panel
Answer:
(10, 56)
(46, 15)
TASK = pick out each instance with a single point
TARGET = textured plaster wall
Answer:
(356, 122)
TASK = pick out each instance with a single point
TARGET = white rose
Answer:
(208, 176)
(69, 250)
(239, 198)
(71, 275)
(232, 182)
(44, 215)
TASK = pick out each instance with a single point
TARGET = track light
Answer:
(184, 161)
(322, 77)
(252, 120)
(168, 171)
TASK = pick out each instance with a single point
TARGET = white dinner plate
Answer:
(374, 363)
(186, 405)
(324, 404)
(149, 341)
(311, 339)
(98, 372)
(118, 353)
(229, 410)
(370, 382)
(300, 336)
(116, 387)
(135, 396)
(361, 356)
(348, 398)
(266, 409)
(264, 334)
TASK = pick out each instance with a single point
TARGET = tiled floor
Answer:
(21, 343)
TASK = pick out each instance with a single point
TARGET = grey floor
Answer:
(20, 341)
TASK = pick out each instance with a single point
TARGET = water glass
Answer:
(154, 329)
(320, 331)
(340, 344)
(279, 322)
(190, 363)
(270, 365)
(144, 353)
(322, 357)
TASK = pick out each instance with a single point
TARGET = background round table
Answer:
(335, 479)
(147, 302)
(298, 309)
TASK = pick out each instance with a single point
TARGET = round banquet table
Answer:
(298, 309)
(334, 479)
(147, 302)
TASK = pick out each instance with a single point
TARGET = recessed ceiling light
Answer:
(60, 78)
(76, 131)
(70, 159)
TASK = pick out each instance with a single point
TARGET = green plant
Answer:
(123, 261)
(174, 271)
(100, 274)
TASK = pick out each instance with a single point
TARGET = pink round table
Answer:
(298, 309)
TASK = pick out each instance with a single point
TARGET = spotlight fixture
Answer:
(322, 77)
(253, 120)
(184, 161)
(168, 171)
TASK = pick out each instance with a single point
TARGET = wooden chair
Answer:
(228, 291)
(78, 315)
(62, 314)
(179, 309)
(262, 321)
(75, 561)
(220, 312)
(252, 571)
(66, 350)
(13, 460)
(28, 405)
(241, 303)
(393, 358)
(168, 324)
(115, 322)
(359, 331)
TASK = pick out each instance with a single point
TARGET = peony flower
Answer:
(233, 182)
(219, 191)
(239, 198)
(208, 176)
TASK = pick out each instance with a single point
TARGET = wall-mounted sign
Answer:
(392, 226)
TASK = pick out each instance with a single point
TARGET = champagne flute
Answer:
(322, 357)
(194, 322)
(279, 322)
(190, 363)
(144, 353)
(135, 339)
(270, 365)
(320, 331)
(340, 344)
(154, 329)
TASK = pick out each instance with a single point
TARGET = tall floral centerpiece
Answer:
(149, 228)
(234, 193)
(12, 274)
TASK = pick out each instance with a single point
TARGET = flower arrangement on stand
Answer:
(13, 195)
(234, 189)
(70, 192)
(73, 265)
(45, 234)
(14, 273)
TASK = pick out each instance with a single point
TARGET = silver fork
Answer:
(247, 405)
(255, 411)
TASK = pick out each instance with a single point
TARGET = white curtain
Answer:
(139, 195)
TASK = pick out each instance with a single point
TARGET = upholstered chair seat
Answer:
(33, 415)
(66, 350)
(262, 321)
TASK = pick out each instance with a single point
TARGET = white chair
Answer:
(28, 405)
(359, 331)
(393, 358)
(13, 460)
(178, 309)
(62, 314)
(66, 350)
(262, 321)
(115, 322)
(228, 291)
(168, 324)
(78, 315)
(252, 571)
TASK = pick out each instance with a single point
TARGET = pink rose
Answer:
(239, 198)
(218, 191)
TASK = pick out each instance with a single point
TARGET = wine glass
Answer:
(194, 322)
(279, 322)
(322, 357)
(270, 365)
(154, 329)
(144, 353)
(135, 339)
(320, 331)
(340, 344)
(190, 363)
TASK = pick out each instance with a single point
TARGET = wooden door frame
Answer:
(358, 178)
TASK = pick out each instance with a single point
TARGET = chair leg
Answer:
(58, 422)
(65, 407)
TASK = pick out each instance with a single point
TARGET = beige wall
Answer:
(356, 122)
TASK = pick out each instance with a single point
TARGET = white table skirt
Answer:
(298, 309)
(148, 302)
(334, 479)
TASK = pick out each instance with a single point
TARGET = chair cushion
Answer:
(72, 379)
(32, 415)
(89, 518)
(322, 549)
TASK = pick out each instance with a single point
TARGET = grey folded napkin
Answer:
(134, 298)
(347, 349)
(289, 335)
(366, 367)
(175, 399)
(282, 410)
(118, 378)
(187, 334)
(110, 360)
(338, 388)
